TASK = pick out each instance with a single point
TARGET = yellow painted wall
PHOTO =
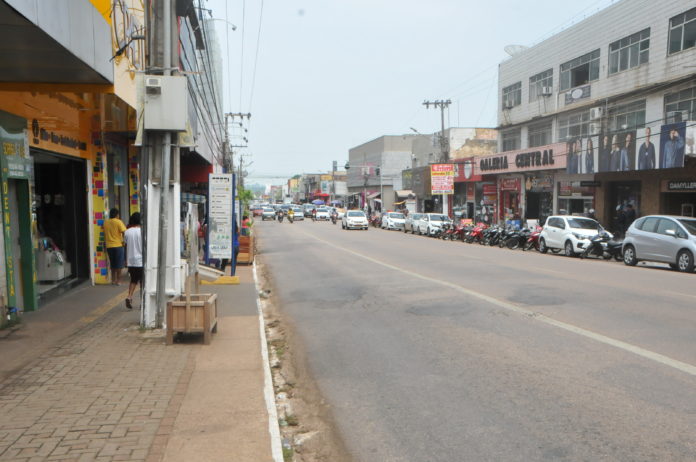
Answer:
(103, 7)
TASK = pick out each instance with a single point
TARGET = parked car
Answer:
(662, 238)
(268, 213)
(567, 232)
(431, 223)
(323, 213)
(410, 222)
(298, 213)
(354, 219)
(393, 220)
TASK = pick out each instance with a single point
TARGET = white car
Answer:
(298, 213)
(268, 213)
(430, 223)
(323, 214)
(354, 219)
(393, 220)
(567, 232)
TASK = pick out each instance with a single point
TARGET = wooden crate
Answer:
(199, 315)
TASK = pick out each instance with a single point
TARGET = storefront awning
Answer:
(404, 193)
(373, 195)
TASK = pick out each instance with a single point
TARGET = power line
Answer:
(256, 58)
(241, 59)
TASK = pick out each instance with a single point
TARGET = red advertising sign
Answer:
(442, 179)
(509, 184)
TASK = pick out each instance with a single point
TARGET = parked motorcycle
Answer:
(516, 239)
(476, 233)
(602, 245)
(533, 239)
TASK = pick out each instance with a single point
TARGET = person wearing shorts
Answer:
(113, 235)
(134, 256)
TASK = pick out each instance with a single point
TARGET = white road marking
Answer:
(662, 359)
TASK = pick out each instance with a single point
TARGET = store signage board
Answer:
(549, 157)
(442, 179)
(681, 185)
(220, 215)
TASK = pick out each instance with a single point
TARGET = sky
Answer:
(322, 76)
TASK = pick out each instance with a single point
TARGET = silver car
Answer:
(411, 222)
(662, 238)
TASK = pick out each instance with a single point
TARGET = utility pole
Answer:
(162, 59)
(444, 142)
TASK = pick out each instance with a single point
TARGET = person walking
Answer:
(113, 235)
(134, 256)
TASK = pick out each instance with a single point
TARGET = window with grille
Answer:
(511, 140)
(680, 106)
(538, 82)
(627, 116)
(629, 52)
(512, 95)
(580, 71)
(682, 31)
(539, 134)
(573, 125)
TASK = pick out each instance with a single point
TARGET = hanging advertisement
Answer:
(220, 215)
(649, 148)
(442, 179)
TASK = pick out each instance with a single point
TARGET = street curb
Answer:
(269, 394)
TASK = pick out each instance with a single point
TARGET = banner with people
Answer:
(652, 147)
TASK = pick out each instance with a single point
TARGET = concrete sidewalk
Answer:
(103, 390)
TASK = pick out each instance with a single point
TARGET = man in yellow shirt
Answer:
(113, 235)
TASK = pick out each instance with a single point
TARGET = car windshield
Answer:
(583, 223)
(322, 209)
(435, 217)
(689, 224)
(356, 214)
(268, 209)
(396, 215)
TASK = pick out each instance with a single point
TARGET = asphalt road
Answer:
(429, 350)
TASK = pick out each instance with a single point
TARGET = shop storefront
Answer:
(538, 195)
(465, 178)
(678, 197)
(524, 182)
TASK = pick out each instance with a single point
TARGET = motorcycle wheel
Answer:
(618, 257)
(528, 246)
(513, 244)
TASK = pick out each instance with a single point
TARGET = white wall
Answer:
(598, 31)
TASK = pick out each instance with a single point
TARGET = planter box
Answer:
(246, 250)
(199, 317)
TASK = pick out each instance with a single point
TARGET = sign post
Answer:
(219, 215)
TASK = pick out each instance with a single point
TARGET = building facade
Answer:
(613, 97)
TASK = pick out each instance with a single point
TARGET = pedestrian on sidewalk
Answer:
(113, 235)
(134, 256)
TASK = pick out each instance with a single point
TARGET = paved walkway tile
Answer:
(104, 393)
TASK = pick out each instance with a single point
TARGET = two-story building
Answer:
(598, 116)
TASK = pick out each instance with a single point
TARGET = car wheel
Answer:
(685, 261)
(343, 226)
(629, 256)
(542, 246)
(568, 249)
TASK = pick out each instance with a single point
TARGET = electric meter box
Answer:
(166, 103)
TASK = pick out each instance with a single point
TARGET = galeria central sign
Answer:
(549, 157)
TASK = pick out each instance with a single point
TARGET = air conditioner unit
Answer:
(546, 91)
(595, 128)
(596, 113)
(508, 105)
(153, 85)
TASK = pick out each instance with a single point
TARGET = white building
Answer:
(593, 90)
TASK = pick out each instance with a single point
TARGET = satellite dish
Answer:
(513, 50)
